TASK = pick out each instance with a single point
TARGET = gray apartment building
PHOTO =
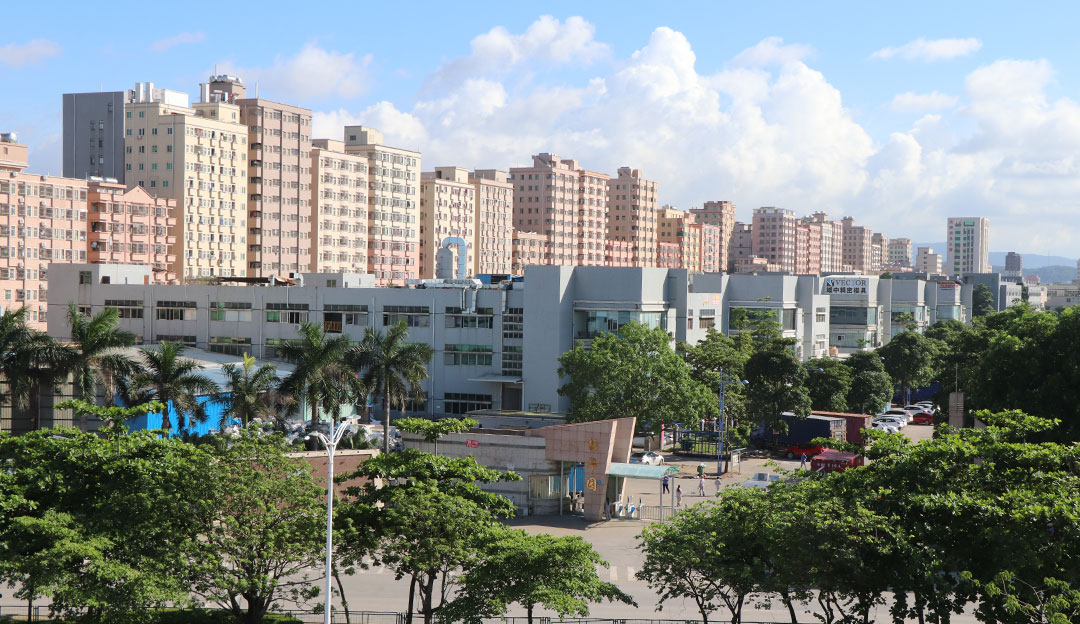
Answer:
(94, 135)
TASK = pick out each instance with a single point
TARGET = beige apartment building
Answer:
(339, 213)
(711, 243)
(131, 226)
(393, 205)
(900, 252)
(493, 245)
(857, 247)
(679, 228)
(197, 156)
(722, 215)
(742, 245)
(926, 261)
(631, 215)
(447, 212)
(42, 220)
(567, 204)
(279, 229)
(879, 251)
(529, 248)
(774, 236)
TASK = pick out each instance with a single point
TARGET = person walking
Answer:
(718, 485)
(678, 496)
(666, 481)
(701, 485)
(802, 465)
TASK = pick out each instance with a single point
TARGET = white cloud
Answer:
(547, 40)
(772, 50)
(911, 102)
(30, 53)
(312, 73)
(765, 128)
(929, 50)
(185, 37)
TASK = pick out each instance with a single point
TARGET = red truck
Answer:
(832, 460)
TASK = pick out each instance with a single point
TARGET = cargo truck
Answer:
(800, 431)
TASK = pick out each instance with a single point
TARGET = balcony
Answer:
(332, 327)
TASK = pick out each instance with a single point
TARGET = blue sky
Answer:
(898, 116)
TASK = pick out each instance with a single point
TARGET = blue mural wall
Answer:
(214, 410)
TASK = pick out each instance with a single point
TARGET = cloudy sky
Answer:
(899, 117)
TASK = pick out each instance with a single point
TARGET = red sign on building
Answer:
(472, 444)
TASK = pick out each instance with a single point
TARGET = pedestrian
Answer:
(802, 466)
(718, 485)
(701, 485)
(666, 481)
(678, 496)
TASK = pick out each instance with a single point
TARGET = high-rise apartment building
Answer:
(279, 227)
(556, 197)
(447, 215)
(742, 245)
(774, 236)
(529, 248)
(42, 220)
(339, 214)
(926, 261)
(858, 247)
(197, 156)
(680, 228)
(722, 215)
(968, 245)
(493, 245)
(900, 252)
(879, 251)
(93, 126)
(131, 226)
(831, 235)
(807, 248)
(631, 215)
(1014, 264)
(393, 205)
(711, 242)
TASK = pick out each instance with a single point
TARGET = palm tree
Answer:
(321, 375)
(29, 359)
(391, 368)
(96, 357)
(250, 391)
(169, 377)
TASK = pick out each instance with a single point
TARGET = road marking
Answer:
(614, 574)
(630, 573)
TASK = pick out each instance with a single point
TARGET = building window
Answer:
(188, 341)
(230, 345)
(456, 317)
(84, 277)
(512, 359)
(463, 403)
(467, 355)
(126, 308)
(413, 316)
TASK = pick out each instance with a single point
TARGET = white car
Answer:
(648, 458)
(761, 480)
(903, 415)
(893, 421)
(887, 428)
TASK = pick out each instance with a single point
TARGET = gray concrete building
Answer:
(94, 135)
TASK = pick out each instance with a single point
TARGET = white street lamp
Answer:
(331, 446)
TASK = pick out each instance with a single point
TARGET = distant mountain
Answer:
(997, 258)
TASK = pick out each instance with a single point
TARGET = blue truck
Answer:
(800, 431)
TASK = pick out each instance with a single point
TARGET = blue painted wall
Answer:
(214, 410)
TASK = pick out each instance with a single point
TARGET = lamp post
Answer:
(331, 446)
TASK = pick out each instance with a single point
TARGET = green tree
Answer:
(169, 377)
(714, 359)
(871, 387)
(96, 353)
(556, 573)
(633, 373)
(101, 528)
(267, 528)
(28, 359)
(320, 374)
(828, 383)
(777, 385)
(909, 359)
(432, 430)
(391, 368)
(982, 300)
(250, 391)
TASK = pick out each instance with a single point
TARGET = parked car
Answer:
(923, 419)
(761, 480)
(895, 421)
(886, 427)
(917, 409)
(648, 458)
(927, 404)
(903, 415)
(809, 449)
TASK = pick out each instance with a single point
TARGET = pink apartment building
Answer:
(447, 211)
(668, 255)
(807, 249)
(680, 228)
(131, 227)
(711, 243)
(567, 204)
(774, 236)
(857, 247)
(42, 220)
(720, 214)
(831, 236)
(529, 248)
(631, 215)
(619, 253)
(879, 252)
